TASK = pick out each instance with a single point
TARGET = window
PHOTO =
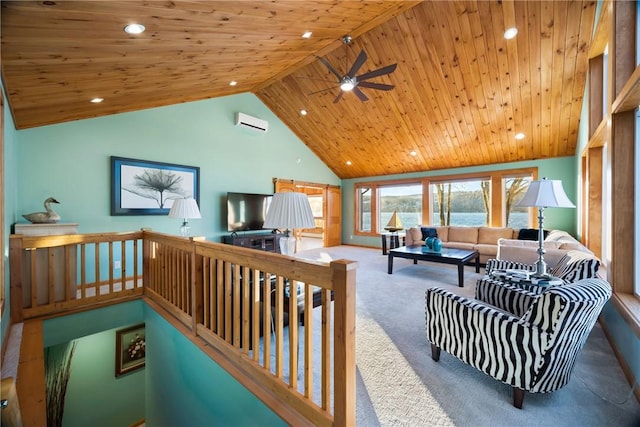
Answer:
(461, 202)
(405, 200)
(474, 199)
(364, 209)
(514, 189)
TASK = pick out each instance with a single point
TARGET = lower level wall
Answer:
(184, 387)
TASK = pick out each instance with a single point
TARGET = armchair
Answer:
(530, 344)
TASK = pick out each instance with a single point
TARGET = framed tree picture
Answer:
(142, 187)
(130, 349)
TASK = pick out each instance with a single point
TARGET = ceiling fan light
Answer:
(347, 86)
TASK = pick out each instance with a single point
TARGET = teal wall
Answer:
(71, 161)
(184, 387)
(10, 168)
(95, 397)
(562, 168)
(179, 385)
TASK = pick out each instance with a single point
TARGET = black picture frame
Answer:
(129, 197)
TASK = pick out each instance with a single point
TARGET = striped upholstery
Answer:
(535, 351)
(576, 265)
(511, 298)
(503, 264)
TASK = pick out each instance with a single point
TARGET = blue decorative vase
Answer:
(429, 242)
(436, 244)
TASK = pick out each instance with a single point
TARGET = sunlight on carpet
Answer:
(398, 395)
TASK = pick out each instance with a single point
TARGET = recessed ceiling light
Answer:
(97, 100)
(413, 153)
(307, 34)
(303, 112)
(520, 135)
(510, 33)
(233, 83)
(134, 29)
(348, 162)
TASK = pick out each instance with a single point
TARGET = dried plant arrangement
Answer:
(57, 373)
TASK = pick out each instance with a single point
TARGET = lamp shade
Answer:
(546, 193)
(289, 210)
(184, 208)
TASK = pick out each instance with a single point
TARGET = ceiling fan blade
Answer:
(322, 90)
(317, 80)
(373, 85)
(362, 57)
(379, 72)
(338, 97)
(330, 67)
(360, 94)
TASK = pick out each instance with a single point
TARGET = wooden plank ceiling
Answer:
(462, 92)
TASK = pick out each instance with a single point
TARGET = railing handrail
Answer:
(193, 278)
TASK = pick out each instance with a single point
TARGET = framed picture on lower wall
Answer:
(130, 349)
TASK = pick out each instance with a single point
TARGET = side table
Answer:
(394, 241)
(525, 280)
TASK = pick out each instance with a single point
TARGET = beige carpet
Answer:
(398, 383)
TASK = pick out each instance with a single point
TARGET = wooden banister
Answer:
(244, 303)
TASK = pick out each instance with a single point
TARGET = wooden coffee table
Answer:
(459, 257)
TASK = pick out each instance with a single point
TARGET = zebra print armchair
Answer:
(530, 343)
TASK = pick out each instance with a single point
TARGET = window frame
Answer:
(495, 176)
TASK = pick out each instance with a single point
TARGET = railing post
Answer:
(344, 281)
(196, 283)
(16, 253)
(146, 259)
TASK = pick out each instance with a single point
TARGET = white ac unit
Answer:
(245, 120)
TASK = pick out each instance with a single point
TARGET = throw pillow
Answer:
(428, 232)
(531, 234)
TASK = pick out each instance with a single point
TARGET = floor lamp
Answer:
(288, 211)
(544, 194)
(185, 209)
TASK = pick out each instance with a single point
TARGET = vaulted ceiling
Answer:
(462, 91)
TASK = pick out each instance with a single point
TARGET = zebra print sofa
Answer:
(526, 340)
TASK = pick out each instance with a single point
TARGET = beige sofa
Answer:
(556, 245)
(482, 239)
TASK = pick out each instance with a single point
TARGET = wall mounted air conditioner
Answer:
(247, 121)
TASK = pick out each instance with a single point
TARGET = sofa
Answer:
(482, 239)
(556, 244)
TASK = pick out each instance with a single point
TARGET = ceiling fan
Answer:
(350, 82)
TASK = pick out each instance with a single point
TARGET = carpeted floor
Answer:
(398, 383)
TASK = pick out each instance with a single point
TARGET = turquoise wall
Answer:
(10, 168)
(71, 161)
(562, 168)
(184, 387)
(179, 385)
(95, 397)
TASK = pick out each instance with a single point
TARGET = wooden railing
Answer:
(56, 274)
(254, 308)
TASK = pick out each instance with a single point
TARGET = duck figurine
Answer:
(48, 217)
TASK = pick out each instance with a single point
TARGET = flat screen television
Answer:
(247, 211)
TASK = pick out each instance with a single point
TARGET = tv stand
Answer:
(269, 242)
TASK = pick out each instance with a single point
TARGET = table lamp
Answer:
(185, 209)
(289, 210)
(544, 194)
